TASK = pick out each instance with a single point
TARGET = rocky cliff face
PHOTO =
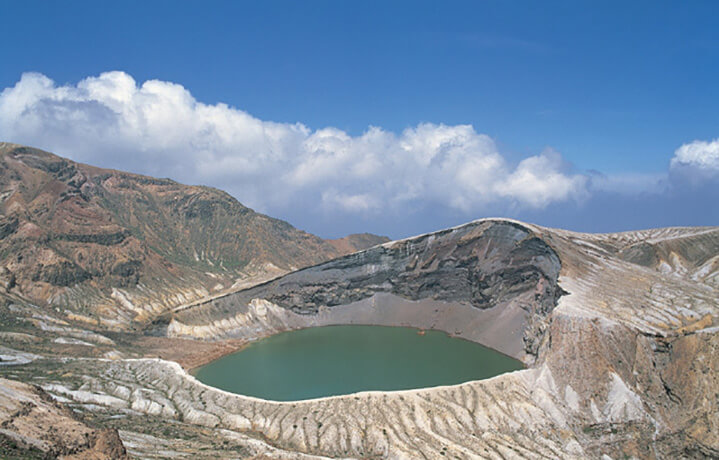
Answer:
(621, 353)
(621, 350)
(619, 332)
(114, 248)
(36, 426)
(475, 270)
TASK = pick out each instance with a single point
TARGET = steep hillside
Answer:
(619, 332)
(109, 248)
(36, 427)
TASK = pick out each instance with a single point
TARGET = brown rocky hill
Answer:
(36, 426)
(111, 248)
(619, 333)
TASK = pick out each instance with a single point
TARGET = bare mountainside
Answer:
(619, 333)
(36, 426)
(111, 248)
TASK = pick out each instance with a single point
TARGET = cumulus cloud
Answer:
(538, 180)
(159, 128)
(700, 155)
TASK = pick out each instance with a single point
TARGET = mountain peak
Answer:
(113, 247)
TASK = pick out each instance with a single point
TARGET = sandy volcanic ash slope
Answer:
(619, 332)
(114, 249)
(35, 426)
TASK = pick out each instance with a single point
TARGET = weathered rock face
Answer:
(491, 265)
(114, 248)
(621, 350)
(619, 332)
(484, 265)
(33, 425)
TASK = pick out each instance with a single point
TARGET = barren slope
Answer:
(35, 426)
(111, 248)
(619, 333)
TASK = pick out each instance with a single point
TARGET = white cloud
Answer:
(355, 203)
(538, 180)
(158, 128)
(700, 155)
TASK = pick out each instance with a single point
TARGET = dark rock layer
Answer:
(488, 264)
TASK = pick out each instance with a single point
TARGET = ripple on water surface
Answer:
(336, 360)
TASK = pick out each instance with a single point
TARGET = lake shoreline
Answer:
(334, 360)
(223, 351)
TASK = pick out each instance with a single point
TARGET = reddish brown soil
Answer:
(190, 354)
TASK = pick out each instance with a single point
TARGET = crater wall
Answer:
(472, 281)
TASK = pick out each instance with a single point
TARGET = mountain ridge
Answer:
(107, 244)
(620, 350)
(618, 331)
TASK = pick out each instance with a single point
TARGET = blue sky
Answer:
(588, 89)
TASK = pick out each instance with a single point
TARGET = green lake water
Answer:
(335, 360)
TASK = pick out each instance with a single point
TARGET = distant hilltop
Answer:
(111, 248)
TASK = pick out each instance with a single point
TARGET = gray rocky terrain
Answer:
(619, 333)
